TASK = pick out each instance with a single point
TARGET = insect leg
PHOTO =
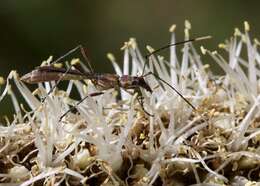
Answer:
(73, 107)
(82, 50)
(83, 53)
(157, 77)
(52, 88)
(140, 100)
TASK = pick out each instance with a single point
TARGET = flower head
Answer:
(116, 142)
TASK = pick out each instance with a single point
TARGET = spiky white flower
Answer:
(116, 142)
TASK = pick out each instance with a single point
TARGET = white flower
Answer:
(107, 136)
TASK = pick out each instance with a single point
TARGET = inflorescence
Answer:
(114, 142)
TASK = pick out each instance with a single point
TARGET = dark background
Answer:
(33, 30)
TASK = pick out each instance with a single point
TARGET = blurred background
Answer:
(33, 30)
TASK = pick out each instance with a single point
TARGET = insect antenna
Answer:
(169, 45)
(157, 77)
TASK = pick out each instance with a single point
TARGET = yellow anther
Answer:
(75, 61)
(203, 50)
(257, 41)
(125, 46)
(142, 136)
(172, 28)
(58, 65)
(187, 24)
(132, 42)
(214, 52)
(247, 26)
(149, 48)
(186, 33)
(111, 57)
(49, 59)
(237, 32)
(222, 45)
(2, 80)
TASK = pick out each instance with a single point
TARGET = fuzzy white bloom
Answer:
(115, 142)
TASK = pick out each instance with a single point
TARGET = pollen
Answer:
(58, 65)
(111, 57)
(222, 45)
(132, 42)
(47, 62)
(172, 28)
(129, 136)
(150, 49)
(247, 26)
(186, 33)
(187, 24)
(75, 61)
(257, 41)
(125, 46)
(237, 32)
(214, 52)
(203, 50)
(2, 80)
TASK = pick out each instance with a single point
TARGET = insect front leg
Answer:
(174, 89)
(140, 99)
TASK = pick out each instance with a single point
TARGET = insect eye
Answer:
(136, 82)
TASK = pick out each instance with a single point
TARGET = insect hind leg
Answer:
(83, 53)
(53, 87)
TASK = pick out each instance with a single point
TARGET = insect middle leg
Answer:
(79, 102)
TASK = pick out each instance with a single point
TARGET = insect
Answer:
(103, 81)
